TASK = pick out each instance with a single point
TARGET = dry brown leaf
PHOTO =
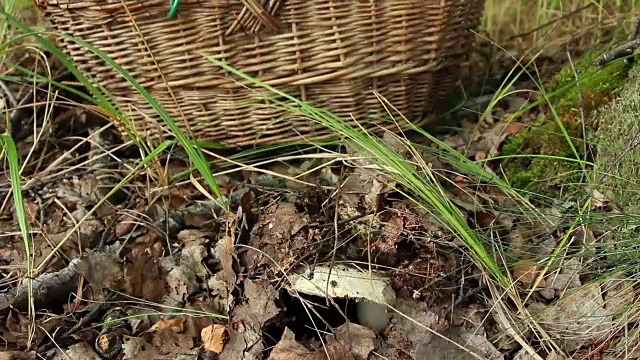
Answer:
(170, 342)
(174, 324)
(261, 298)
(527, 274)
(191, 259)
(391, 235)
(461, 181)
(135, 348)
(125, 225)
(598, 199)
(358, 339)
(276, 231)
(363, 188)
(79, 350)
(193, 237)
(17, 355)
(33, 213)
(143, 276)
(289, 349)
(214, 338)
(102, 270)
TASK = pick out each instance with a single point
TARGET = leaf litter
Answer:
(183, 279)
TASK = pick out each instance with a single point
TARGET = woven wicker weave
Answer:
(333, 53)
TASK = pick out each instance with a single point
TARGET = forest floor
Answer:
(511, 235)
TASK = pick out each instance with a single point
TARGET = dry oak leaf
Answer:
(143, 276)
(214, 338)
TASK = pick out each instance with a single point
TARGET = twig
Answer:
(7, 92)
(90, 317)
(621, 51)
(48, 287)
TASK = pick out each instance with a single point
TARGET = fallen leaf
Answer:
(577, 319)
(275, 232)
(568, 277)
(386, 243)
(237, 346)
(17, 355)
(180, 283)
(33, 213)
(289, 349)
(174, 324)
(102, 269)
(363, 188)
(220, 294)
(167, 341)
(192, 237)
(138, 348)
(359, 340)
(79, 350)
(191, 258)
(409, 332)
(461, 181)
(479, 344)
(261, 298)
(619, 297)
(598, 199)
(143, 276)
(214, 337)
(527, 274)
(126, 225)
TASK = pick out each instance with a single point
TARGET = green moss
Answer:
(616, 139)
(553, 175)
(543, 175)
(597, 86)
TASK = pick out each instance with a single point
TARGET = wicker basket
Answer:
(335, 54)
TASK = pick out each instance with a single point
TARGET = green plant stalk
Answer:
(21, 214)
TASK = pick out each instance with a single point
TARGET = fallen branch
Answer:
(624, 50)
(47, 288)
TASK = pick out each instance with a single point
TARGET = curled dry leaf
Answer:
(214, 337)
